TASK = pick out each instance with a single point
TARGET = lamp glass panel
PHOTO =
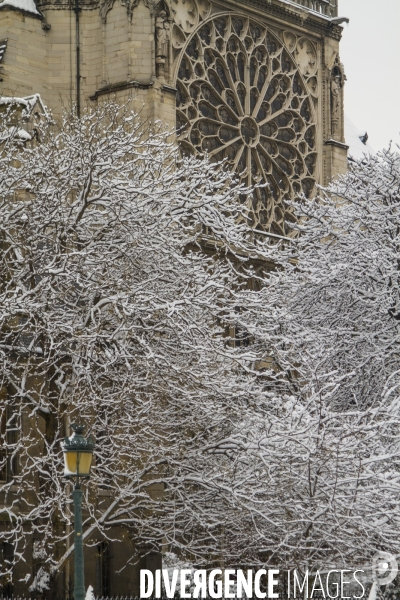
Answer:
(85, 462)
(70, 462)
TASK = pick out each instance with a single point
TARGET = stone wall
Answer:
(118, 55)
(115, 59)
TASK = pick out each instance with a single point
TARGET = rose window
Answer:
(242, 98)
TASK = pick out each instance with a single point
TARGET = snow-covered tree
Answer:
(119, 271)
(325, 459)
(125, 271)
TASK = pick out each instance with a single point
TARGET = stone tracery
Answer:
(242, 97)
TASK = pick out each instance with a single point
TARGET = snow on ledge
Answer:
(28, 6)
(353, 136)
(16, 132)
(28, 102)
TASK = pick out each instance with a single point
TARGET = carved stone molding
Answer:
(337, 79)
(105, 6)
(152, 5)
(326, 7)
(120, 86)
(306, 57)
(297, 16)
(162, 42)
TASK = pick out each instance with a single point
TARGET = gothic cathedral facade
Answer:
(256, 82)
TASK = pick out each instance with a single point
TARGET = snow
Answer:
(90, 594)
(353, 136)
(17, 132)
(372, 594)
(3, 46)
(41, 581)
(173, 564)
(25, 5)
(28, 104)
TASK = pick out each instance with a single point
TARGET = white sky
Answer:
(370, 52)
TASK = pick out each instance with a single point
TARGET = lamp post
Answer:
(78, 454)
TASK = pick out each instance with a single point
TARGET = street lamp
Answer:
(78, 454)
